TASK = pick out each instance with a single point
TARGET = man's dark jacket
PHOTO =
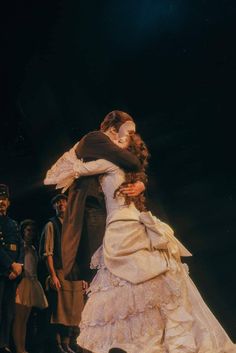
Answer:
(11, 245)
(84, 223)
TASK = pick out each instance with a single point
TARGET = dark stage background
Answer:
(170, 64)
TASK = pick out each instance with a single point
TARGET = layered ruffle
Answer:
(163, 315)
(146, 317)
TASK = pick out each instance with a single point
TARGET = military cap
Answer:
(58, 197)
(4, 191)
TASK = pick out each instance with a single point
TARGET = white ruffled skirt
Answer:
(142, 299)
(163, 315)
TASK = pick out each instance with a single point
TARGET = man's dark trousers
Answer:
(7, 307)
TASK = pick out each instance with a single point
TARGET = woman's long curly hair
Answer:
(139, 149)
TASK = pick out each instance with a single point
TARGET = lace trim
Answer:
(132, 329)
(101, 338)
(116, 306)
(120, 314)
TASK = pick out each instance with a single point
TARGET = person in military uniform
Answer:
(11, 263)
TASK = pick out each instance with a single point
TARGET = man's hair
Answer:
(115, 119)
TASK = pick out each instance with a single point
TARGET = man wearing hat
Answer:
(66, 298)
(11, 262)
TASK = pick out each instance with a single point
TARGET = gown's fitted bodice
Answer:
(116, 206)
(110, 181)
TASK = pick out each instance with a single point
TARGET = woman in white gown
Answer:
(142, 299)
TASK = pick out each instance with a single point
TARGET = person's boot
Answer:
(76, 348)
(59, 349)
(67, 348)
(74, 333)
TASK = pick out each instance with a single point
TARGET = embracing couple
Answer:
(141, 298)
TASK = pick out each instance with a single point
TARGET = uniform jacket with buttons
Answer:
(11, 244)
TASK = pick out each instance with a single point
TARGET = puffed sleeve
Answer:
(100, 166)
(80, 168)
(5, 260)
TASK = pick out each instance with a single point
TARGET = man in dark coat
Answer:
(11, 262)
(85, 218)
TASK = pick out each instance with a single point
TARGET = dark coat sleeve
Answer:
(5, 260)
(96, 145)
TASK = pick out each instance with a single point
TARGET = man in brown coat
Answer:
(85, 217)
